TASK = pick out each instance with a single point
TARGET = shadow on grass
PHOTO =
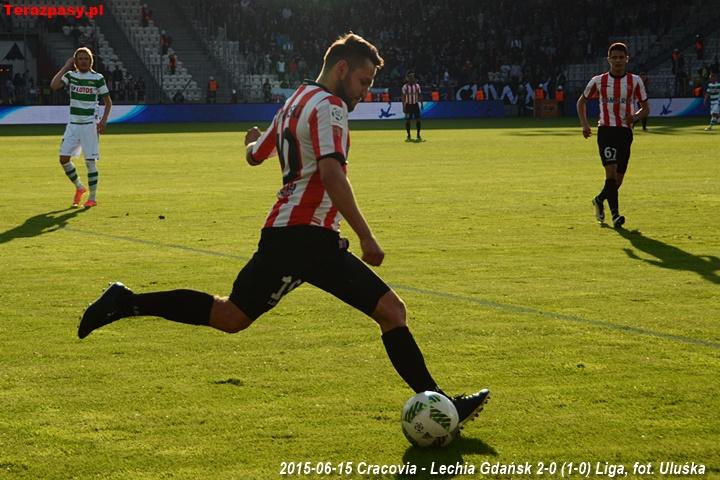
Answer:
(673, 130)
(669, 256)
(40, 224)
(450, 456)
(536, 132)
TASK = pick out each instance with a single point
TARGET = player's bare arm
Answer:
(56, 83)
(102, 124)
(582, 114)
(340, 191)
(250, 138)
(643, 112)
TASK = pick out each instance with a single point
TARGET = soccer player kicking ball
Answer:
(617, 91)
(85, 86)
(300, 240)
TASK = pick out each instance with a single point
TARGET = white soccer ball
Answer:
(429, 419)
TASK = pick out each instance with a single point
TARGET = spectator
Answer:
(145, 15)
(32, 95)
(293, 70)
(681, 83)
(117, 75)
(678, 61)
(678, 69)
(9, 92)
(280, 68)
(508, 93)
(267, 91)
(19, 84)
(140, 89)
(212, 88)
(165, 42)
(172, 59)
(699, 46)
(560, 97)
(129, 90)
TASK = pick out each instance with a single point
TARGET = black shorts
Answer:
(290, 256)
(412, 110)
(614, 146)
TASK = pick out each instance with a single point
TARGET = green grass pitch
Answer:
(598, 345)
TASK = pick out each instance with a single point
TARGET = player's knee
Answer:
(226, 316)
(64, 160)
(390, 312)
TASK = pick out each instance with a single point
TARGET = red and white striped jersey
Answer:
(617, 97)
(411, 93)
(311, 125)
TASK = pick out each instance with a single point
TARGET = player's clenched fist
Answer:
(252, 135)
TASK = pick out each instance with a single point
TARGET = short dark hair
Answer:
(353, 48)
(618, 46)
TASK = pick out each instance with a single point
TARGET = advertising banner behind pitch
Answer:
(28, 115)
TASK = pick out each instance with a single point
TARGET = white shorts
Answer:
(78, 136)
(715, 108)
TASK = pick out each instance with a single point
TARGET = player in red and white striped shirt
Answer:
(300, 241)
(412, 104)
(617, 92)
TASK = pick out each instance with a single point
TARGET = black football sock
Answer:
(184, 306)
(407, 127)
(407, 359)
(602, 196)
(611, 193)
(418, 128)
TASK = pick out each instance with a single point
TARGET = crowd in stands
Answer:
(23, 89)
(19, 89)
(506, 49)
(448, 44)
(689, 81)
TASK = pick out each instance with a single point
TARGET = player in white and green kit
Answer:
(85, 87)
(712, 94)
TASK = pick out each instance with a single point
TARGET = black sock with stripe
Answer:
(71, 173)
(611, 193)
(92, 177)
